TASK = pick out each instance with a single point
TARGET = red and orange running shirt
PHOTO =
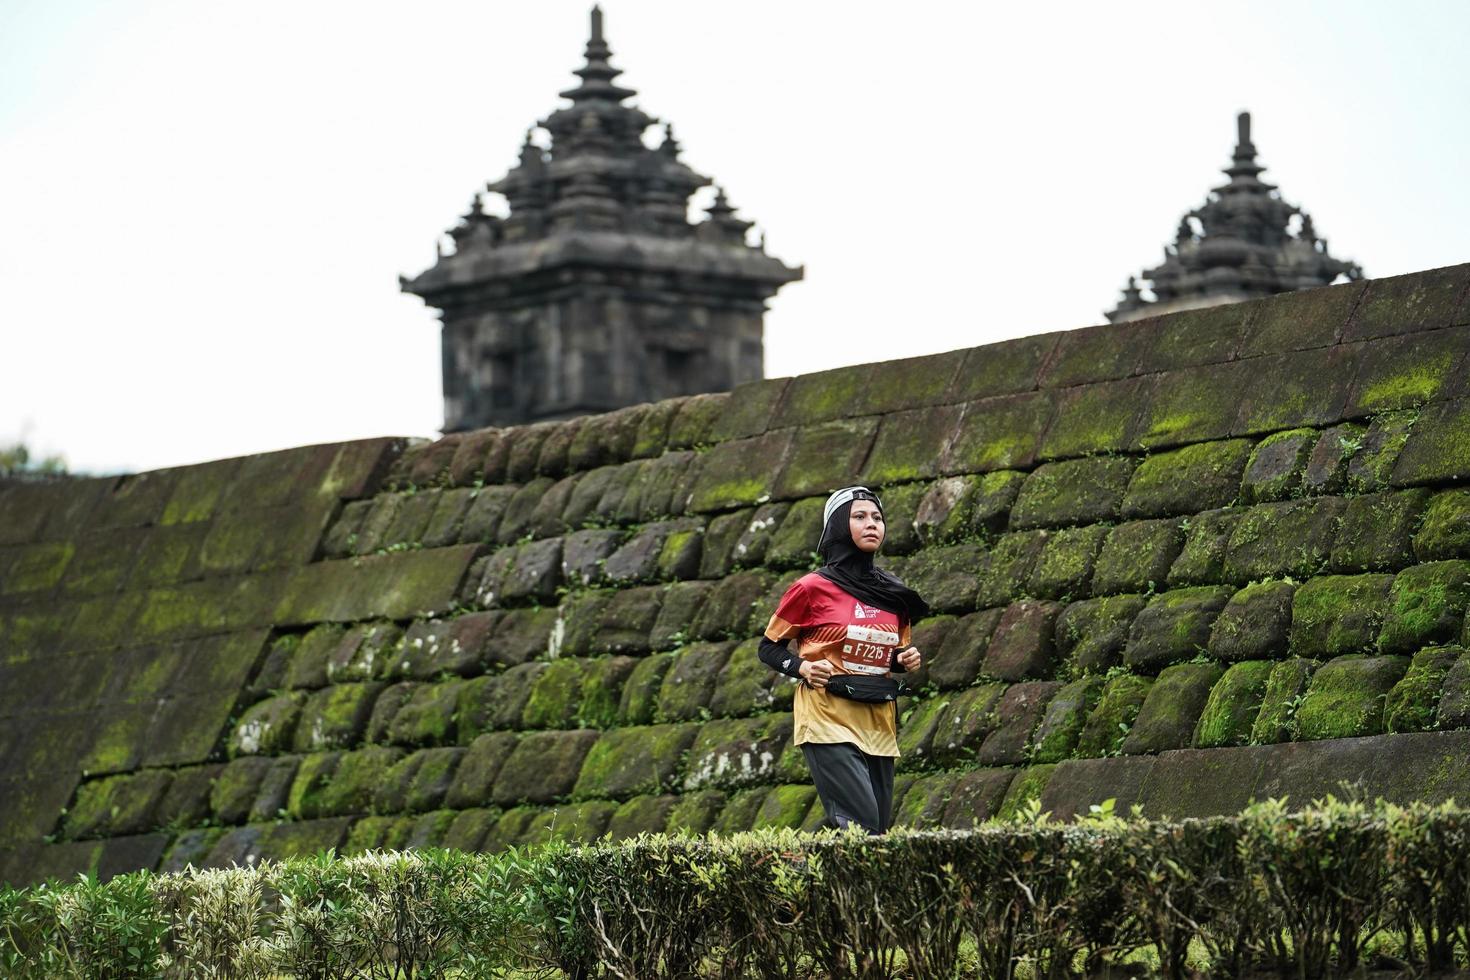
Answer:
(828, 623)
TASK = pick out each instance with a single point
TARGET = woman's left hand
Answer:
(911, 659)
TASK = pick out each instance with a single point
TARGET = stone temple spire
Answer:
(1243, 243)
(595, 290)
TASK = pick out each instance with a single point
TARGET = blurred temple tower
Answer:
(595, 291)
(1243, 243)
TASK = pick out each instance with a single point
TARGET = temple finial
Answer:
(1243, 127)
(596, 23)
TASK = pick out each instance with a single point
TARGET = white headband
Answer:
(843, 496)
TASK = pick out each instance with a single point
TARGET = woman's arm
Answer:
(778, 657)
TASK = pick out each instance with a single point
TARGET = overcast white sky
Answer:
(204, 207)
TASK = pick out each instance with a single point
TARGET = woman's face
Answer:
(866, 522)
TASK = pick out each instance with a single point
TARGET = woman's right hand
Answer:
(816, 672)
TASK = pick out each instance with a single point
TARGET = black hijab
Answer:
(848, 566)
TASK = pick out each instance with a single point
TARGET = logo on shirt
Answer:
(860, 611)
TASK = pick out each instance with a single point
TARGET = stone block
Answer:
(1006, 567)
(717, 554)
(639, 701)
(928, 636)
(1065, 568)
(1233, 704)
(639, 559)
(1407, 372)
(481, 523)
(1061, 724)
(944, 513)
(519, 510)
(1187, 480)
(411, 520)
(1024, 791)
(653, 428)
(909, 446)
(1090, 635)
(305, 801)
(1338, 614)
(308, 666)
(1111, 720)
(236, 787)
(1301, 388)
(1172, 709)
(1445, 531)
(729, 607)
(1206, 540)
(1276, 466)
(1197, 337)
(607, 438)
(1454, 701)
(923, 804)
(1137, 556)
(1018, 712)
(821, 458)
(554, 458)
(794, 542)
(584, 553)
(335, 716)
(274, 790)
(823, 395)
(695, 813)
(1299, 320)
(478, 769)
(547, 520)
(584, 502)
(1255, 624)
(1192, 405)
(1377, 531)
(116, 806)
(543, 767)
(366, 651)
(267, 727)
(641, 815)
(535, 573)
(1371, 468)
(420, 782)
(462, 645)
(956, 663)
(1000, 433)
(961, 724)
(899, 505)
(627, 762)
(186, 800)
(755, 538)
(495, 702)
(556, 695)
(1003, 368)
(1099, 353)
(1426, 605)
(1413, 704)
(1327, 464)
(354, 781)
(736, 474)
(946, 576)
(1346, 696)
(522, 635)
(1174, 626)
(662, 488)
(1286, 686)
(1075, 491)
(1293, 538)
(689, 682)
(730, 753)
(682, 601)
(401, 585)
(746, 686)
(428, 716)
(1022, 645)
(918, 721)
(1408, 304)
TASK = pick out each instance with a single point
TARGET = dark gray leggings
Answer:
(855, 788)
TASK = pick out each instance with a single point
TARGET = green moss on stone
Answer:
(728, 608)
(795, 540)
(308, 791)
(429, 715)
(1286, 686)
(1255, 623)
(117, 805)
(1292, 538)
(1206, 538)
(1338, 614)
(1346, 697)
(746, 686)
(1090, 635)
(1388, 436)
(1172, 709)
(556, 695)
(1025, 788)
(1454, 701)
(639, 701)
(478, 769)
(1073, 491)
(909, 446)
(1426, 605)
(695, 813)
(1377, 531)
(733, 752)
(785, 806)
(1234, 702)
(999, 433)
(1137, 556)
(737, 474)
(1065, 567)
(963, 722)
(543, 767)
(1174, 626)
(1413, 704)
(268, 726)
(1093, 418)
(1065, 716)
(355, 780)
(1445, 531)
(1109, 723)
(336, 716)
(1006, 567)
(602, 691)
(640, 815)
(1275, 468)
(917, 723)
(1187, 480)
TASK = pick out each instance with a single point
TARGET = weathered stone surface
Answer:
(960, 724)
(639, 560)
(1426, 605)
(737, 473)
(496, 702)
(1023, 644)
(1018, 712)
(909, 446)
(1187, 480)
(1445, 531)
(522, 635)
(1408, 304)
(543, 768)
(1174, 626)
(393, 586)
(918, 721)
(1233, 705)
(1335, 615)
(1005, 568)
(1061, 725)
(1075, 491)
(717, 553)
(117, 805)
(1192, 404)
(481, 524)
(995, 433)
(478, 769)
(956, 663)
(1090, 635)
(556, 695)
(584, 553)
(756, 536)
(686, 688)
(366, 651)
(1454, 701)
(1346, 697)
(795, 541)
(336, 716)
(1097, 418)
(1206, 540)
(746, 686)
(1413, 704)
(1302, 388)
(1137, 556)
(1292, 538)
(1286, 685)
(1064, 569)
(1377, 531)
(1172, 709)
(1255, 624)
(1327, 465)
(945, 576)
(267, 727)
(944, 513)
(728, 608)
(429, 715)
(1111, 720)
(1276, 465)
(730, 753)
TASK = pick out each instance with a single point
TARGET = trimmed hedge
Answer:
(1308, 893)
